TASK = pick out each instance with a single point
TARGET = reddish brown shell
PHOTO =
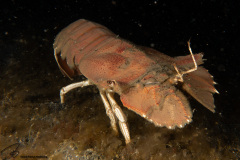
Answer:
(91, 49)
(162, 105)
(141, 74)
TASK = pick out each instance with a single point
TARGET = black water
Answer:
(32, 121)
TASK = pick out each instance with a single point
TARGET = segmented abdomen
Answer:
(93, 50)
(81, 38)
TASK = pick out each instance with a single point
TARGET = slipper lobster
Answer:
(149, 82)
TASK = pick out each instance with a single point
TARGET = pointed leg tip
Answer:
(62, 101)
(127, 141)
(115, 131)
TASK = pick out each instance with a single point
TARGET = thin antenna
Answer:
(195, 63)
(179, 75)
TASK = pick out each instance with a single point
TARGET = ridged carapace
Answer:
(149, 82)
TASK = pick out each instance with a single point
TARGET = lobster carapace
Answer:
(149, 83)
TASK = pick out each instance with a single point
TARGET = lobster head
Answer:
(159, 102)
(159, 96)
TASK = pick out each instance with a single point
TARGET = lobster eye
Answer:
(111, 82)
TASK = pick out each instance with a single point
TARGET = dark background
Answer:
(212, 25)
